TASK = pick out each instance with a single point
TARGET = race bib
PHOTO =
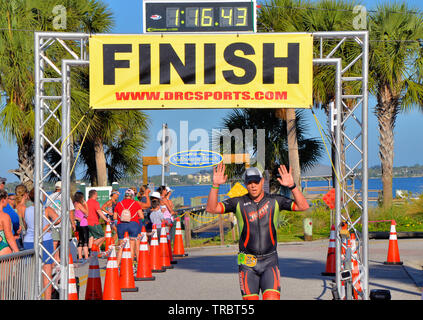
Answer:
(247, 259)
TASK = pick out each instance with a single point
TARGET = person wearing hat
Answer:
(168, 194)
(54, 201)
(128, 213)
(7, 240)
(156, 214)
(155, 195)
(167, 209)
(15, 218)
(257, 214)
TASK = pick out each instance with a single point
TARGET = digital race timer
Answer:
(199, 16)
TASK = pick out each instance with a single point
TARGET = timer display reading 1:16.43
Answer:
(193, 17)
(199, 16)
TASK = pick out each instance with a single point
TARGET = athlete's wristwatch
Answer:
(292, 187)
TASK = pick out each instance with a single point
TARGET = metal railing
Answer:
(17, 275)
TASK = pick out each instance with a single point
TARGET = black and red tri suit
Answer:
(258, 222)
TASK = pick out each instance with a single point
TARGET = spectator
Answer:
(81, 214)
(21, 198)
(16, 226)
(164, 201)
(167, 209)
(29, 221)
(11, 200)
(128, 222)
(109, 208)
(168, 194)
(143, 197)
(7, 240)
(144, 201)
(55, 202)
(156, 215)
(2, 183)
(154, 195)
(96, 231)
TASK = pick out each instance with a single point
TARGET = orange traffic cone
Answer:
(109, 238)
(358, 290)
(73, 292)
(178, 244)
(156, 263)
(111, 281)
(94, 291)
(94, 248)
(144, 265)
(393, 252)
(164, 249)
(126, 278)
(331, 257)
(169, 247)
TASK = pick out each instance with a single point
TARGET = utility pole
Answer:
(164, 134)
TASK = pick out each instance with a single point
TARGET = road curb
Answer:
(415, 271)
(400, 235)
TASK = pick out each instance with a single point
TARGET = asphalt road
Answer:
(210, 273)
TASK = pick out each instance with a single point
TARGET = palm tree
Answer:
(16, 82)
(281, 16)
(304, 16)
(396, 73)
(276, 146)
(18, 20)
(289, 116)
(120, 137)
(300, 16)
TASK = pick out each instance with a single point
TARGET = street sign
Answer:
(102, 192)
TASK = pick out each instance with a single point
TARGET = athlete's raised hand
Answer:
(286, 178)
(219, 176)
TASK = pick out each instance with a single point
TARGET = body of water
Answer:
(413, 185)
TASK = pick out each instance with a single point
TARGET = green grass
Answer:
(408, 216)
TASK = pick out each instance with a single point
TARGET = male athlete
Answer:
(257, 214)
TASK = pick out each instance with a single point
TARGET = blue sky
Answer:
(128, 19)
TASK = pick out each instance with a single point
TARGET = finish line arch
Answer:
(74, 46)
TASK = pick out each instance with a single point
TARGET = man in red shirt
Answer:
(94, 211)
(132, 226)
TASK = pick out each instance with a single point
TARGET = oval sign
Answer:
(195, 159)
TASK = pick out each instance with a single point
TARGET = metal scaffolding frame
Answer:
(50, 107)
(348, 115)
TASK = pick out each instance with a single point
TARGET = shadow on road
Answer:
(296, 269)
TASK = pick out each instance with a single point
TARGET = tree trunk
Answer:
(100, 161)
(294, 159)
(291, 127)
(25, 172)
(386, 112)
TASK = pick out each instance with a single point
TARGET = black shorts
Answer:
(263, 276)
(83, 233)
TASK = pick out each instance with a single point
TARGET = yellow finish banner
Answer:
(171, 71)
